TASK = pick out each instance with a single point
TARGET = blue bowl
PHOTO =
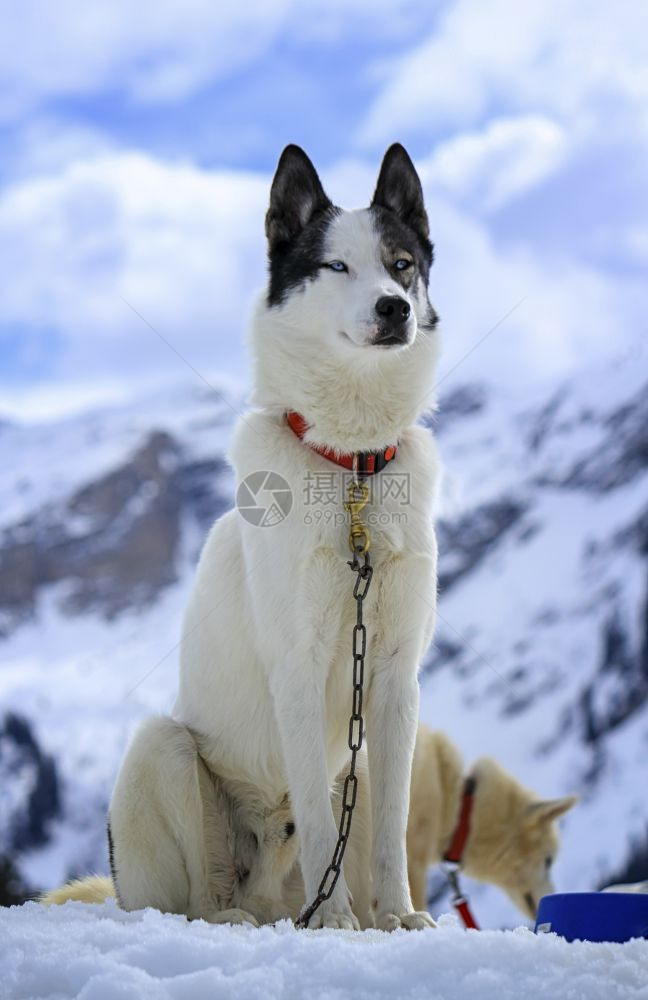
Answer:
(594, 916)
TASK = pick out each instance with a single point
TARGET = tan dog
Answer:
(513, 838)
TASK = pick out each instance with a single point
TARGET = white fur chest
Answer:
(313, 584)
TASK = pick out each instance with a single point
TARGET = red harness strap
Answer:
(451, 863)
(365, 463)
(463, 909)
(462, 829)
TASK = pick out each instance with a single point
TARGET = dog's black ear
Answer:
(296, 196)
(399, 189)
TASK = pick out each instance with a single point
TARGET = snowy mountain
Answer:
(541, 656)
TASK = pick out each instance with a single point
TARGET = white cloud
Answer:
(184, 246)
(636, 244)
(46, 144)
(559, 57)
(571, 314)
(501, 161)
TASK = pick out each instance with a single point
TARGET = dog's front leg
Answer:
(301, 714)
(392, 719)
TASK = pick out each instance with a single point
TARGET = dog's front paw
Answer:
(334, 913)
(416, 921)
(340, 921)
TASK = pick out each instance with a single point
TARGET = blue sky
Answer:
(138, 143)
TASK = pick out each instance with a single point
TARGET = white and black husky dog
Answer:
(206, 804)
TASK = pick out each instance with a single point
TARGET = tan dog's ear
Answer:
(547, 810)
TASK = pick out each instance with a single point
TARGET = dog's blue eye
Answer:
(402, 264)
(337, 265)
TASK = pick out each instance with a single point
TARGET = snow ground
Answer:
(102, 953)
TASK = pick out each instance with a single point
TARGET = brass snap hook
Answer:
(358, 498)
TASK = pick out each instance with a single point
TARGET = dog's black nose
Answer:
(393, 310)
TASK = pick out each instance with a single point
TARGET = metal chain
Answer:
(359, 543)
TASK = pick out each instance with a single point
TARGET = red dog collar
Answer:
(366, 463)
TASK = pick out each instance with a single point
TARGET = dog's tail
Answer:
(93, 889)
